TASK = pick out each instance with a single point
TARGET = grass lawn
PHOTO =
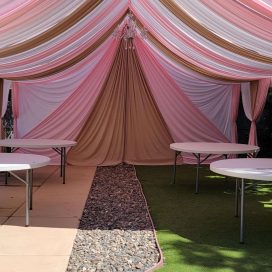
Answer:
(199, 232)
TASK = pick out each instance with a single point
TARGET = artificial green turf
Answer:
(199, 232)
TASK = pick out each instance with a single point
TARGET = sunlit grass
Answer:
(199, 232)
(267, 204)
(259, 188)
(235, 253)
(215, 177)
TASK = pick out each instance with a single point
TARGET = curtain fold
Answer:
(54, 31)
(1, 105)
(183, 118)
(67, 48)
(234, 111)
(70, 62)
(198, 37)
(39, 98)
(245, 19)
(259, 97)
(211, 36)
(147, 138)
(253, 103)
(212, 98)
(101, 140)
(67, 120)
(125, 125)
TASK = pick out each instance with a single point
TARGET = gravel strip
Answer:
(115, 233)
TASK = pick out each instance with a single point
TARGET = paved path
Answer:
(47, 243)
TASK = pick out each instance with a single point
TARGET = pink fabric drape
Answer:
(242, 16)
(193, 48)
(257, 109)
(68, 119)
(234, 111)
(39, 16)
(125, 124)
(184, 115)
(254, 106)
(39, 98)
(66, 46)
(213, 98)
(259, 6)
(184, 120)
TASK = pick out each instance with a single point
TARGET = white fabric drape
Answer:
(67, 120)
(39, 98)
(253, 103)
(246, 98)
(65, 46)
(193, 47)
(41, 17)
(223, 28)
(213, 98)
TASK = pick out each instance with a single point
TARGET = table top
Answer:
(248, 168)
(214, 148)
(15, 161)
(36, 143)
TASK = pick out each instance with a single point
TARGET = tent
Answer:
(126, 78)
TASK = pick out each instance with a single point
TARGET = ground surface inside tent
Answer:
(198, 232)
(45, 245)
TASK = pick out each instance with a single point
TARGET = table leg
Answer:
(63, 165)
(236, 197)
(197, 173)
(62, 152)
(175, 167)
(61, 161)
(30, 188)
(27, 196)
(6, 178)
(242, 212)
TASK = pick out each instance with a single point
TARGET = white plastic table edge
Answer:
(10, 162)
(246, 168)
(214, 148)
(36, 143)
(58, 145)
(209, 148)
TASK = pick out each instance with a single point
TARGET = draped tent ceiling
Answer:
(72, 79)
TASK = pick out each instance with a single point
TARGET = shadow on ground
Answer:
(198, 232)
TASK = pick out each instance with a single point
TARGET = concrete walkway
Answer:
(45, 245)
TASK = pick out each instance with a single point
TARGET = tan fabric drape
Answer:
(101, 140)
(125, 124)
(74, 60)
(62, 26)
(197, 27)
(147, 138)
(188, 64)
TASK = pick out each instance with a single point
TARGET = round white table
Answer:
(10, 162)
(57, 145)
(208, 149)
(257, 169)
